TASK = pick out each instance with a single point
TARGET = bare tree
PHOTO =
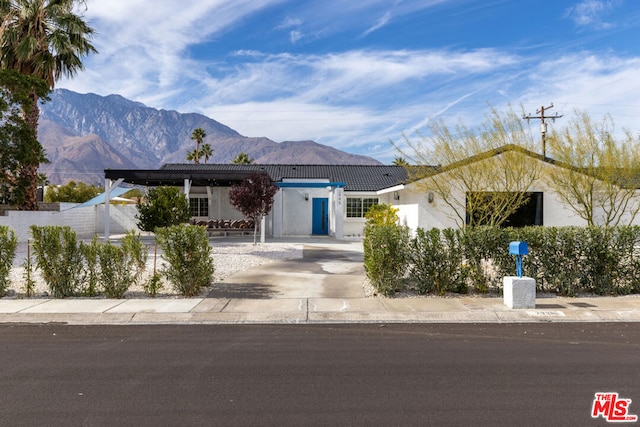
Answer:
(597, 175)
(483, 175)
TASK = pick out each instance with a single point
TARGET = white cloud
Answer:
(590, 13)
(354, 99)
(381, 23)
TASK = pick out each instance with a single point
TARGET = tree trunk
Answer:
(29, 170)
(255, 231)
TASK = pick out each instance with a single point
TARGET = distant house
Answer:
(332, 200)
(313, 199)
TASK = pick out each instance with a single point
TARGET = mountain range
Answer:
(83, 134)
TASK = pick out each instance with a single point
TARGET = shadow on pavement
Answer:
(241, 291)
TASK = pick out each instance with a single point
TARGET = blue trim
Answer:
(310, 184)
(320, 216)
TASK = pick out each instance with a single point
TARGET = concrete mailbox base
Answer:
(519, 292)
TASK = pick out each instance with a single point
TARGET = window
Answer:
(357, 207)
(529, 213)
(199, 206)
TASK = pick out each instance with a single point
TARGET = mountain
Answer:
(83, 134)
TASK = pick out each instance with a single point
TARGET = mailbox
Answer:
(518, 249)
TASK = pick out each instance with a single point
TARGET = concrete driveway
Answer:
(327, 269)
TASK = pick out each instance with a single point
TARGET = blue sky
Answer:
(355, 74)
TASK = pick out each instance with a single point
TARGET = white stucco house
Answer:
(333, 199)
(312, 199)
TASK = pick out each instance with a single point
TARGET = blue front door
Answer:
(320, 217)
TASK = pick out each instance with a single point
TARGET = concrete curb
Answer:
(316, 310)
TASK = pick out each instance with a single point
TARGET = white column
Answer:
(187, 187)
(276, 213)
(338, 212)
(107, 215)
(209, 201)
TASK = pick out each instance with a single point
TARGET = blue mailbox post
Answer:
(518, 249)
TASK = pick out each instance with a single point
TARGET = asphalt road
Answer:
(354, 374)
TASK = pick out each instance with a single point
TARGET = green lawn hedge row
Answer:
(562, 260)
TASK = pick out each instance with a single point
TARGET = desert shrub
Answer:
(382, 214)
(188, 254)
(153, 285)
(27, 274)
(91, 267)
(121, 267)
(385, 256)
(114, 275)
(59, 259)
(8, 245)
(436, 261)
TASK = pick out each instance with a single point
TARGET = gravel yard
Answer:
(228, 257)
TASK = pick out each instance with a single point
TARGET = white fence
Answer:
(86, 221)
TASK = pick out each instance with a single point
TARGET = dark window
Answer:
(530, 213)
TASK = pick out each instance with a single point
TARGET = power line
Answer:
(543, 125)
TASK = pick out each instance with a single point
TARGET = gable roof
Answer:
(356, 177)
(419, 172)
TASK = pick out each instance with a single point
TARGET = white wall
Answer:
(438, 214)
(86, 221)
(297, 212)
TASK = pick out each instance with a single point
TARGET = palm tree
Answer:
(44, 39)
(207, 152)
(242, 159)
(198, 135)
(400, 161)
(191, 157)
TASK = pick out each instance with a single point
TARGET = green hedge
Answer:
(8, 245)
(73, 268)
(565, 260)
(59, 259)
(386, 249)
(188, 254)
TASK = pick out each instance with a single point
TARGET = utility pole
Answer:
(543, 125)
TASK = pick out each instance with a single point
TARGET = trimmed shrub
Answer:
(385, 256)
(486, 251)
(59, 259)
(8, 245)
(91, 272)
(121, 267)
(188, 254)
(565, 260)
(437, 261)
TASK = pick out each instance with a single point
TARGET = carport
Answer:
(185, 177)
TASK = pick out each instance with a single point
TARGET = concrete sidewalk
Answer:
(325, 286)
